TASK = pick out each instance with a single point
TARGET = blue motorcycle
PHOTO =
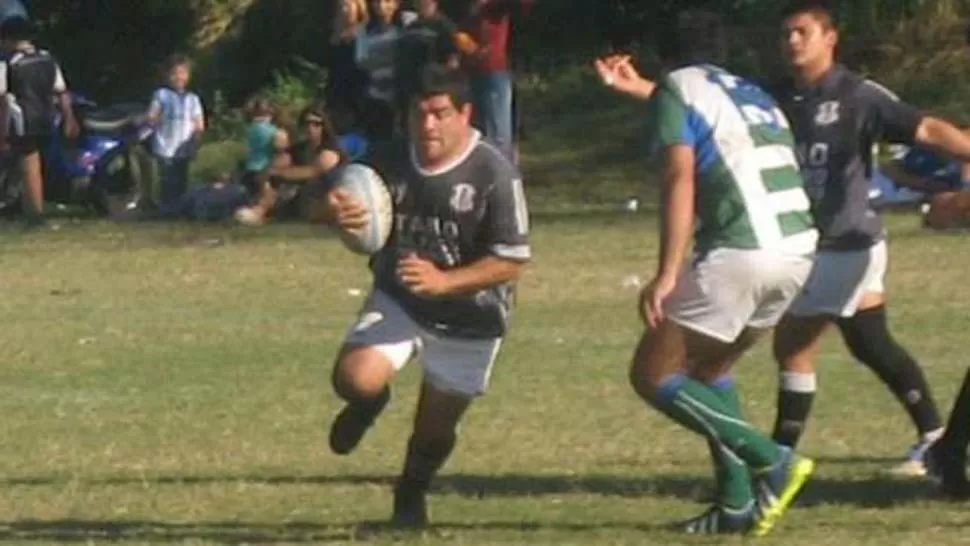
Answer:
(101, 170)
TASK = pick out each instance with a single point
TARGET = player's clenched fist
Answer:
(422, 277)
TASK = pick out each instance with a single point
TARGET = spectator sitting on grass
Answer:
(266, 144)
(309, 160)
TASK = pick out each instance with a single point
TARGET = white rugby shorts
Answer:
(728, 290)
(456, 366)
(839, 280)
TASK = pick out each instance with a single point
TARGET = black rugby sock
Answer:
(868, 338)
(424, 459)
(796, 392)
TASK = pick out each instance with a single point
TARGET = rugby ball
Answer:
(367, 187)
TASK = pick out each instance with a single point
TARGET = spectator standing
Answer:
(431, 38)
(346, 82)
(176, 112)
(12, 8)
(490, 22)
(376, 54)
(30, 81)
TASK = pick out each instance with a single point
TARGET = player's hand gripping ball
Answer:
(362, 208)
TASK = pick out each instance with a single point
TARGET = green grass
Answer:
(170, 383)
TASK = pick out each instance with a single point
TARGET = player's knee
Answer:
(649, 386)
(790, 355)
(641, 382)
(357, 376)
(650, 368)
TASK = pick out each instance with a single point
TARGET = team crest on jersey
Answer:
(462, 198)
(827, 113)
(400, 192)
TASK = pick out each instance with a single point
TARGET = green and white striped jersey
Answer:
(749, 193)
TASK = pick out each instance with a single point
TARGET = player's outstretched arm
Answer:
(617, 72)
(944, 137)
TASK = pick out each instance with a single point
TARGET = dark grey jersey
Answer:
(836, 124)
(457, 215)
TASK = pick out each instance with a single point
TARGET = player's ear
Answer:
(466, 112)
(832, 37)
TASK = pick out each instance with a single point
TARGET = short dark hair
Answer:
(698, 35)
(259, 105)
(177, 60)
(17, 29)
(437, 79)
(821, 10)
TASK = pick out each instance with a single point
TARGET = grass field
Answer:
(170, 384)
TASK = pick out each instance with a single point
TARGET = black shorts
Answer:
(28, 144)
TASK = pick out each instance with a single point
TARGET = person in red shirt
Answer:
(489, 22)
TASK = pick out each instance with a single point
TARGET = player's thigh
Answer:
(439, 412)
(672, 349)
(873, 293)
(840, 281)
(381, 342)
(708, 362)
(462, 367)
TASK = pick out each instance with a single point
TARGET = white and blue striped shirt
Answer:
(177, 113)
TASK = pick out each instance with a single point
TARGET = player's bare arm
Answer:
(71, 127)
(426, 279)
(326, 162)
(676, 230)
(943, 136)
(617, 72)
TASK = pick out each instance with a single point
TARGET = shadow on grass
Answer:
(158, 531)
(876, 492)
(71, 531)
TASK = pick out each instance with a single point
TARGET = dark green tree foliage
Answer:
(113, 49)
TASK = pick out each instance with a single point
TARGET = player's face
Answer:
(427, 8)
(178, 78)
(348, 9)
(439, 129)
(314, 128)
(807, 41)
(385, 9)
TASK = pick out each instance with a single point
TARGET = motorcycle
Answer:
(101, 170)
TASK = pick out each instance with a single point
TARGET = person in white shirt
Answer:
(178, 118)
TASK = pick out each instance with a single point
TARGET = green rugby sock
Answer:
(698, 407)
(731, 474)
